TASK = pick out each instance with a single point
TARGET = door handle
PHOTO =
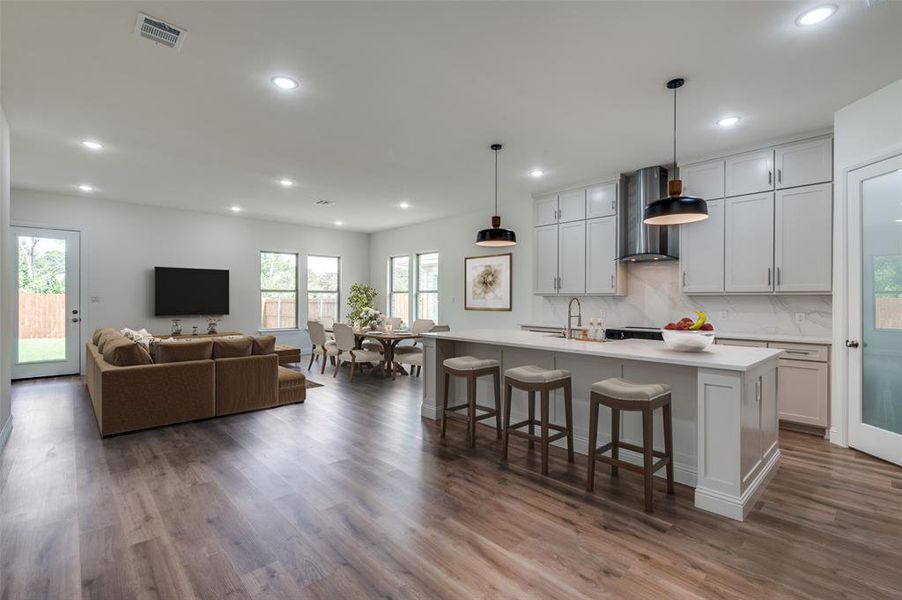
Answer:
(851, 344)
(75, 319)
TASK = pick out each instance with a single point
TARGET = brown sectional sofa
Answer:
(185, 380)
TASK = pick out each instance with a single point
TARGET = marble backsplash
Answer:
(654, 298)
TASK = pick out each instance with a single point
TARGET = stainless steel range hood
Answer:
(640, 242)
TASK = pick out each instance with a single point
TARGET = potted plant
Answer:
(360, 299)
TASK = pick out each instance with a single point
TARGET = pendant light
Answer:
(676, 208)
(496, 237)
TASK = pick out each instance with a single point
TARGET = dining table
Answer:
(389, 341)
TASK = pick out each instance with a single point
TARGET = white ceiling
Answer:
(399, 101)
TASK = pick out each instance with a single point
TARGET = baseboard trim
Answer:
(6, 431)
(737, 508)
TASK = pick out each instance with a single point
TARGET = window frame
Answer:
(336, 291)
(391, 290)
(297, 293)
(419, 290)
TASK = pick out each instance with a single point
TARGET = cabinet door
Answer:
(802, 392)
(703, 179)
(601, 200)
(572, 205)
(545, 210)
(749, 173)
(702, 252)
(803, 242)
(571, 258)
(804, 163)
(749, 243)
(601, 256)
(545, 260)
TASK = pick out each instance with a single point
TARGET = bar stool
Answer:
(471, 368)
(621, 394)
(532, 379)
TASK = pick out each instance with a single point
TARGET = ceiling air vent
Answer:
(159, 31)
(323, 203)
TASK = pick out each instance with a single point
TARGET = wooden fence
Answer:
(889, 313)
(280, 313)
(42, 315)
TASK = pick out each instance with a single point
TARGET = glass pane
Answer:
(427, 276)
(400, 305)
(42, 299)
(278, 271)
(278, 310)
(881, 251)
(322, 273)
(400, 274)
(427, 306)
(322, 304)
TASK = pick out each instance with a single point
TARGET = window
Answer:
(322, 287)
(399, 287)
(427, 286)
(278, 290)
(888, 292)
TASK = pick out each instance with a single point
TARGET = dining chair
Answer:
(328, 323)
(413, 355)
(322, 347)
(348, 352)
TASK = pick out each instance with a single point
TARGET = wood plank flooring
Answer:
(353, 495)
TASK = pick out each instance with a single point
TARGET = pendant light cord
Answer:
(674, 128)
(496, 182)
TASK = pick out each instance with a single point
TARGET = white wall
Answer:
(5, 293)
(122, 243)
(865, 131)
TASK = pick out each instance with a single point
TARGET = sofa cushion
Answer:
(106, 336)
(123, 352)
(232, 348)
(264, 344)
(98, 332)
(169, 352)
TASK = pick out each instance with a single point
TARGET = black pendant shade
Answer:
(496, 237)
(675, 209)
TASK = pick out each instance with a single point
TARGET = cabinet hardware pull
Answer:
(779, 276)
(768, 276)
(612, 282)
(770, 177)
(779, 175)
(684, 278)
(613, 205)
(805, 352)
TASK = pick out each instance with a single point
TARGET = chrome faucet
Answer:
(570, 315)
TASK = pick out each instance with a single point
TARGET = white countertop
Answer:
(757, 337)
(730, 358)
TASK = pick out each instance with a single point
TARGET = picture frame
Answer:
(488, 282)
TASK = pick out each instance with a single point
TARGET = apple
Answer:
(670, 326)
(707, 327)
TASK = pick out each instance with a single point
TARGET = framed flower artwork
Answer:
(487, 282)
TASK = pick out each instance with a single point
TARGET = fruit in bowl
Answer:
(689, 335)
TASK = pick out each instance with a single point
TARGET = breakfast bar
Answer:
(724, 401)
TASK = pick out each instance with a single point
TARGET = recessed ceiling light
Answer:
(286, 183)
(898, 220)
(86, 188)
(404, 205)
(728, 121)
(816, 15)
(236, 209)
(92, 144)
(284, 83)
(339, 223)
(536, 173)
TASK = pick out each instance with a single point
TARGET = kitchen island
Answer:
(724, 402)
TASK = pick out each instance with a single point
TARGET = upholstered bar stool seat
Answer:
(532, 379)
(471, 368)
(621, 394)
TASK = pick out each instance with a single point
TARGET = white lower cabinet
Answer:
(545, 260)
(749, 242)
(802, 392)
(702, 252)
(803, 239)
(572, 258)
(602, 268)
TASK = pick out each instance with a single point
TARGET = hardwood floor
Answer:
(352, 495)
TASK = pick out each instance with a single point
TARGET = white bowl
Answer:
(687, 341)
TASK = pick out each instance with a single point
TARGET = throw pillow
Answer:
(264, 344)
(232, 348)
(98, 332)
(167, 352)
(123, 352)
(106, 336)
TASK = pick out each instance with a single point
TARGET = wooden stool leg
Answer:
(648, 448)
(445, 404)
(544, 431)
(593, 442)
(615, 439)
(668, 444)
(497, 376)
(507, 420)
(532, 418)
(471, 410)
(568, 416)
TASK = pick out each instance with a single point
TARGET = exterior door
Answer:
(46, 314)
(875, 309)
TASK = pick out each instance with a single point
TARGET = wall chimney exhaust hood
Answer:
(640, 242)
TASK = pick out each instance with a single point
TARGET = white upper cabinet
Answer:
(804, 163)
(601, 256)
(545, 259)
(803, 237)
(601, 200)
(749, 173)
(702, 252)
(572, 205)
(545, 210)
(749, 242)
(571, 257)
(704, 180)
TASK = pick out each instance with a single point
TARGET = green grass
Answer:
(39, 350)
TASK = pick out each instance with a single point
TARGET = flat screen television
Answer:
(186, 292)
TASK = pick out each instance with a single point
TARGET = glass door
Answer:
(46, 312)
(875, 309)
